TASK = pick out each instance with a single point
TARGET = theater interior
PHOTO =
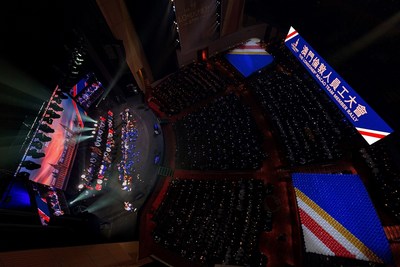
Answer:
(250, 133)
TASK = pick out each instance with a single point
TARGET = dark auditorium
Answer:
(199, 133)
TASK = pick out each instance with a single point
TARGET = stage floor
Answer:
(117, 224)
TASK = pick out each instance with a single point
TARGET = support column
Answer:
(118, 19)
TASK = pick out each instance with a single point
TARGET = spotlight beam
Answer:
(375, 34)
(14, 78)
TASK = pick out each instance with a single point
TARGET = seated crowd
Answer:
(214, 221)
(188, 86)
(308, 127)
(385, 177)
(219, 136)
(101, 154)
(130, 155)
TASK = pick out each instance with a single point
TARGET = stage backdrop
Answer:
(59, 152)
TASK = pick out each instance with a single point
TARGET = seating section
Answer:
(219, 136)
(213, 221)
(187, 87)
(129, 153)
(385, 176)
(307, 125)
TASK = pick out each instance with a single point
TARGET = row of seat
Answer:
(213, 221)
(308, 128)
(220, 136)
(189, 85)
(385, 177)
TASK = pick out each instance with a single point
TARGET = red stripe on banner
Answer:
(290, 35)
(43, 215)
(75, 90)
(371, 134)
(324, 236)
(78, 114)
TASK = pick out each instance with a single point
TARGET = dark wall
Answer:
(153, 21)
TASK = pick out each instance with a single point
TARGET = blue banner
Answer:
(361, 115)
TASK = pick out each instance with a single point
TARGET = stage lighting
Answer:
(56, 107)
(35, 154)
(93, 132)
(45, 128)
(53, 114)
(37, 144)
(58, 100)
(80, 186)
(30, 165)
(43, 138)
(48, 120)
(83, 176)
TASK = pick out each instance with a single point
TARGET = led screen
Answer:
(249, 57)
(87, 91)
(49, 157)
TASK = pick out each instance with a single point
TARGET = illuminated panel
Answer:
(249, 57)
(361, 115)
(77, 88)
(43, 209)
(338, 218)
(55, 156)
(87, 91)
